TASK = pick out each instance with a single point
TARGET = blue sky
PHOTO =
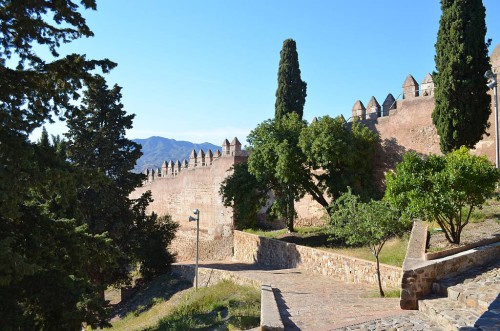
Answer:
(207, 70)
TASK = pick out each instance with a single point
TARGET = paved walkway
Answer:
(314, 302)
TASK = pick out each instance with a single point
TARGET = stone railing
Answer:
(419, 274)
(254, 249)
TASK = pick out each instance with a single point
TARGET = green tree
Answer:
(276, 162)
(462, 105)
(445, 189)
(52, 288)
(366, 223)
(97, 144)
(40, 245)
(291, 93)
(290, 159)
(245, 194)
(338, 155)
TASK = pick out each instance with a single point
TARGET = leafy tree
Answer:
(276, 162)
(245, 194)
(339, 155)
(445, 189)
(291, 93)
(290, 159)
(366, 223)
(462, 105)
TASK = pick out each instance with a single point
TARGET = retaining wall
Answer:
(251, 248)
(419, 274)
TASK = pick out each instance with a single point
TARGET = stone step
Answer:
(477, 289)
(452, 315)
(449, 314)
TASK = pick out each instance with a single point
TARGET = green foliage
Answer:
(245, 194)
(366, 223)
(152, 236)
(445, 189)
(339, 156)
(276, 162)
(291, 93)
(462, 104)
(290, 159)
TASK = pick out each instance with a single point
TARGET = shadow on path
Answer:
(284, 311)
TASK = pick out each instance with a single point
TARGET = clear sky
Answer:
(206, 70)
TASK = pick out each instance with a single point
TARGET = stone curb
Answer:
(270, 319)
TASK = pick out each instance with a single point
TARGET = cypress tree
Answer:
(291, 93)
(462, 105)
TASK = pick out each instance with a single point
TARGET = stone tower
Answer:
(427, 86)
(388, 105)
(373, 109)
(410, 88)
(358, 110)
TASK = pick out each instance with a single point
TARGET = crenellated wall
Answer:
(178, 191)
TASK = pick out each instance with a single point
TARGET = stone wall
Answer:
(218, 248)
(419, 274)
(194, 188)
(251, 248)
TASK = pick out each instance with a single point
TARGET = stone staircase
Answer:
(468, 301)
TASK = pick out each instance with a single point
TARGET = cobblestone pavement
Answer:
(414, 321)
(314, 302)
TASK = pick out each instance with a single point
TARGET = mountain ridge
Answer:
(157, 149)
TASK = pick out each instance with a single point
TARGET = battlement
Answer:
(200, 159)
(410, 90)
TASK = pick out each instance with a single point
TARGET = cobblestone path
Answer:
(314, 302)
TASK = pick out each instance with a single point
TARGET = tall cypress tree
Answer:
(291, 93)
(462, 105)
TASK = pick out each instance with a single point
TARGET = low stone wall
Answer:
(210, 249)
(254, 249)
(419, 274)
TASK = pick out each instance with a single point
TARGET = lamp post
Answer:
(493, 84)
(197, 219)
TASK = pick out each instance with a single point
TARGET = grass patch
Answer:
(390, 293)
(224, 305)
(301, 232)
(393, 252)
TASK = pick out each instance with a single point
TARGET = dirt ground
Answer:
(473, 232)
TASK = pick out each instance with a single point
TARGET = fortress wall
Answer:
(194, 188)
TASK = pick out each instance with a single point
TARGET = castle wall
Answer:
(194, 188)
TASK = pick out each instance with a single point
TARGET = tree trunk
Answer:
(290, 214)
(382, 294)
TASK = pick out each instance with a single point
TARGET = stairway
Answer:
(469, 301)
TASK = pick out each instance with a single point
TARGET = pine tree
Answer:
(462, 105)
(291, 93)
(97, 144)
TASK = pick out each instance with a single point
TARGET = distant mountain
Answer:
(155, 150)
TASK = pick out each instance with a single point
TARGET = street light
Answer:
(197, 219)
(492, 84)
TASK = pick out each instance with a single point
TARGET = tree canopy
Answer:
(369, 224)
(291, 93)
(66, 224)
(290, 158)
(445, 189)
(462, 104)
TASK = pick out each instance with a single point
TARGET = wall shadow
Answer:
(284, 313)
